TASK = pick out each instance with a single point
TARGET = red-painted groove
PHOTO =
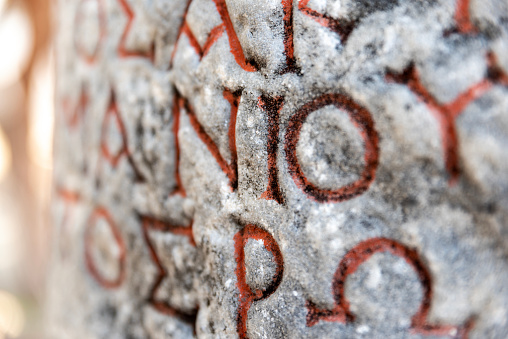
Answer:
(247, 296)
(91, 58)
(212, 147)
(495, 72)
(463, 19)
(192, 39)
(215, 34)
(161, 226)
(343, 29)
(445, 114)
(234, 43)
(272, 107)
(362, 120)
(231, 170)
(357, 256)
(289, 49)
(113, 159)
(106, 153)
(234, 102)
(179, 189)
(68, 196)
(73, 115)
(148, 224)
(456, 107)
(124, 52)
(101, 212)
(180, 32)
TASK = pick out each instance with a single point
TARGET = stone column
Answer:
(280, 169)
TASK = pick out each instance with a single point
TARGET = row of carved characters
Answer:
(445, 113)
(92, 21)
(349, 264)
(247, 295)
(341, 312)
(105, 253)
(361, 119)
(114, 143)
(343, 27)
(90, 54)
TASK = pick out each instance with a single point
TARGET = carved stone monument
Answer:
(280, 169)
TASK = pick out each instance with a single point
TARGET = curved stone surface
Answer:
(280, 169)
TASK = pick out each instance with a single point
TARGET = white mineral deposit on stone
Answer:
(362, 329)
(280, 169)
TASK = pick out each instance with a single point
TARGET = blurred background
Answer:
(26, 127)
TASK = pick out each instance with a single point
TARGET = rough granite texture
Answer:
(280, 169)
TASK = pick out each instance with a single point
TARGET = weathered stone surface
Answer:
(281, 168)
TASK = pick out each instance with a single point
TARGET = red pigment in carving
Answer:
(495, 72)
(81, 51)
(113, 159)
(192, 39)
(180, 190)
(272, 107)
(68, 196)
(343, 29)
(92, 268)
(123, 52)
(234, 101)
(362, 120)
(215, 34)
(106, 153)
(289, 49)
(350, 263)
(464, 25)
(463, 19)
(181, 31)
(234, 43)
(231, 170)
(445, 114)
(149, 223)
(247, 296)
(73, 115)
